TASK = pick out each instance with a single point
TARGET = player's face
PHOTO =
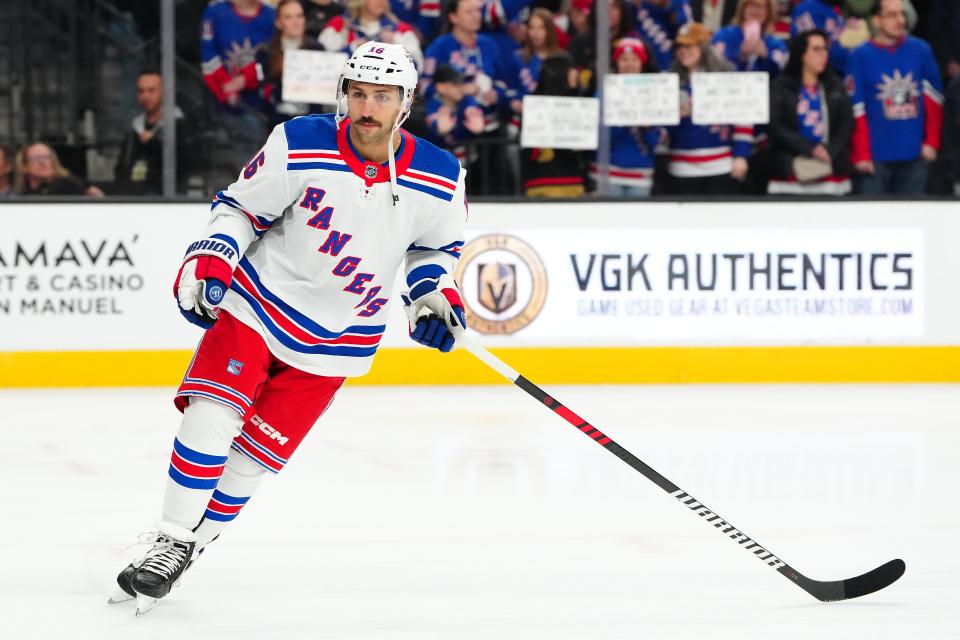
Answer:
(290, 21)
(373, 108)
(150, 92)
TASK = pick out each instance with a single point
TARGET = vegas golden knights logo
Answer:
(497, 286)
(504, 283)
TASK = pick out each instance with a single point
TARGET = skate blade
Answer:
(145, 604)
(119, 596)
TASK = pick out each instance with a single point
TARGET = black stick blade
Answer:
(879, 578)
(875, 580)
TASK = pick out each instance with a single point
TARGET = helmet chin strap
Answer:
(394, 190)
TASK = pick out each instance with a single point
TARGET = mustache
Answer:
(367, 121)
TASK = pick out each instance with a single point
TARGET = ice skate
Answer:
(124, 590)
(153, 576)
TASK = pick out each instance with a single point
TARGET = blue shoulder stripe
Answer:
(432, 159)
(318, 131)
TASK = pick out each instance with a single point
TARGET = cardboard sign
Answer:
(731, 98)
(311, 76)
(641, 99)
(560, 123)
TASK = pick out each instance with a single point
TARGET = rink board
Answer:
(567, 293)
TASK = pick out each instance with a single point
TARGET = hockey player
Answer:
(293, 278)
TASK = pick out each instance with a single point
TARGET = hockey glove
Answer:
(433, 309)
(203, 280)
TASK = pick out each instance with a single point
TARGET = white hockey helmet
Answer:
(380, 63)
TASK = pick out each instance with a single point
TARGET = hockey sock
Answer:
(240, 479)
(199, 455)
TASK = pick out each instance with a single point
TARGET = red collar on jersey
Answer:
(371, 172)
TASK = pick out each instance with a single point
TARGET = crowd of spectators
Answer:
(857, 103)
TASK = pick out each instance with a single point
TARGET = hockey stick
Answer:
(869, 582)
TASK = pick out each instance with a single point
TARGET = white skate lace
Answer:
(166, 556)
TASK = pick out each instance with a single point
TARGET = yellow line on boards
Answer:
(627, 365)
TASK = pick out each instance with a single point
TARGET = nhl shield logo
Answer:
(371, 171)
(497, 286)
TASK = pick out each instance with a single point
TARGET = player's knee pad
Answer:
(209, 425)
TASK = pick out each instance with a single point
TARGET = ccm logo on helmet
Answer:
(368, 67)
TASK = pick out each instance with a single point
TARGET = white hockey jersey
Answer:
(319, 242)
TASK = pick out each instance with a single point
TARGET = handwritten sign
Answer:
(731, 98)
(560, 123)
(647, 99)
(311, 76)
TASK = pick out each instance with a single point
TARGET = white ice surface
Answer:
(469, 513)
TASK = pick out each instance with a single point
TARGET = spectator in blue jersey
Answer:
(826, 16)
(232, 48)
(811, 123)
(704, 159)
(749, 42)
(453, 117)
(547, 172)
(539, 43)
(632, 148)
(366, 21)
(505, 22)
(583, 48)
(897, 106)
(6, 171)
(658, 21)
(290, 35)
(424, 15)
(476, 56)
